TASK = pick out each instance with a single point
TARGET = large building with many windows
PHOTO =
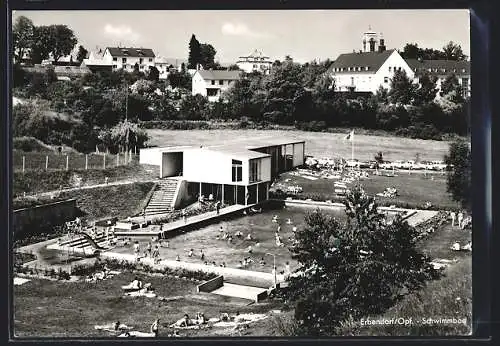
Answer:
(255, 62)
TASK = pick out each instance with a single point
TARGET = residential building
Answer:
(441, 69)
(213, 83)
(127, 58)
(233, 172)
(255, 61)
(167, 65)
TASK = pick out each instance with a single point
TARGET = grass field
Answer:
(317, 143)
(44, 308)
(414, 190)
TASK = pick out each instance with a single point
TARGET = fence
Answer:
(25, 161)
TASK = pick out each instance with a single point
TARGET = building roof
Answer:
(219, 74)
(439, 67)
(235, 152)
(132, 52)
(372, 60)
(255, 54)
(170, 61)
(250, 144)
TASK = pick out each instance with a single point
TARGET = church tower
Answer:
(370, 41)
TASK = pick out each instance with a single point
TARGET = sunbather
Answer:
(455, 246)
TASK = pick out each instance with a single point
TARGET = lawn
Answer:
(114, 200)
(318, 144)
(414, 190)
(44, 308)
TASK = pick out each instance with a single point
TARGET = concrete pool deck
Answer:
(177, 225)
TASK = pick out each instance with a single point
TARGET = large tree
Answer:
(63, 40)
(402, 88)
(43, 41)
(23, 32)
(453, 51)
(207, 55)
(82, 54)
(427, 89)
(194, 52)
(459, 172)
(355, 268)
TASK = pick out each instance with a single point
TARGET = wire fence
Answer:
(25, 161)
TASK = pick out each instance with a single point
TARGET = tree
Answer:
(207, 55)
(123, 135)
(233, 67)
(453, 51)
(194, 107)
(459, 172)
(43, 40)
(379, 157)
(82, 54)
(63, 40)
(194, 52)
(179, 80)
(427, 90)
(451, 84)
(23, 32)
(402, 89)
(355, 268)
(154, 74)
(411, 51)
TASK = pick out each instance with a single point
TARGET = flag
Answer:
(350, 136)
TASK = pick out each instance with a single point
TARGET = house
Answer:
(96, 62)
(126, 58)
(212, 83)
(255, 61)
(238, 172)
(441, 69)
(167, 65)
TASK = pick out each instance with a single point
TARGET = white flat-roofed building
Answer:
(236, 172)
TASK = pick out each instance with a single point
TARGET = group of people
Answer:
(150, 251)
(461, 220)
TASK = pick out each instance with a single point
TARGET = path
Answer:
(119, 182)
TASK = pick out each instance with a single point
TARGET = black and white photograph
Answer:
(241, 173)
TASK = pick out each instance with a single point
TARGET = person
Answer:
(455, 246)
(249, 249)
(217, 207)
(460, 219)
(289, 221)
(221, 229)
(156, 254)
(144, 214)
(184, 215)
(205, 263)
(106, 180)
(468, 246)
(177, 258)
(214, 264)
(287, 268)
(148, 249)
(275, 218)
(154, 327)
(211, 197)
(453, 218)
(223, 264)
(249, 236)
(202, 254)
(229, 239)
(240, 265)
(137, 248)
(167, 244)
(262, 262)
(257, 244)
(279, 229)
(129, 219)
(190, 253)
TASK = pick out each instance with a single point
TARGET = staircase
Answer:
(162, 200)
(80, 242)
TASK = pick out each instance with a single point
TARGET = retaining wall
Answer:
(211, 285)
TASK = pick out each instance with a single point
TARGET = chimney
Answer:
(381, 46)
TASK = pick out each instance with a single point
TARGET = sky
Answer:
(305, 35)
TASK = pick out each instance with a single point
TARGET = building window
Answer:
(212, 92)
(221, 82)
(115, 58)
(370, 79)
(366, 68)
(255, 66)
(386, 79)
(463, 70)
(465, 87)
(348, 69)
(352, 80)
(124, 60)
(150, 59)
(342, 69)
(389, 69)
(114, 66)
(141, 60)
(213, 82)
(255, 171)
(237, 170)
(399, 68)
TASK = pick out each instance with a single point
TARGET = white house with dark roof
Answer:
(255, 62)
(126, 58)
(212, 83)
(367, 71)
(441, 69)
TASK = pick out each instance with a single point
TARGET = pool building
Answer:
(233, 172)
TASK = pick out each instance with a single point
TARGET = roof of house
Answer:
(132, 52)
(439, 67)
(235, 152)
(219, 74)
(255, 54)
(170, 61)
(372, 60)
